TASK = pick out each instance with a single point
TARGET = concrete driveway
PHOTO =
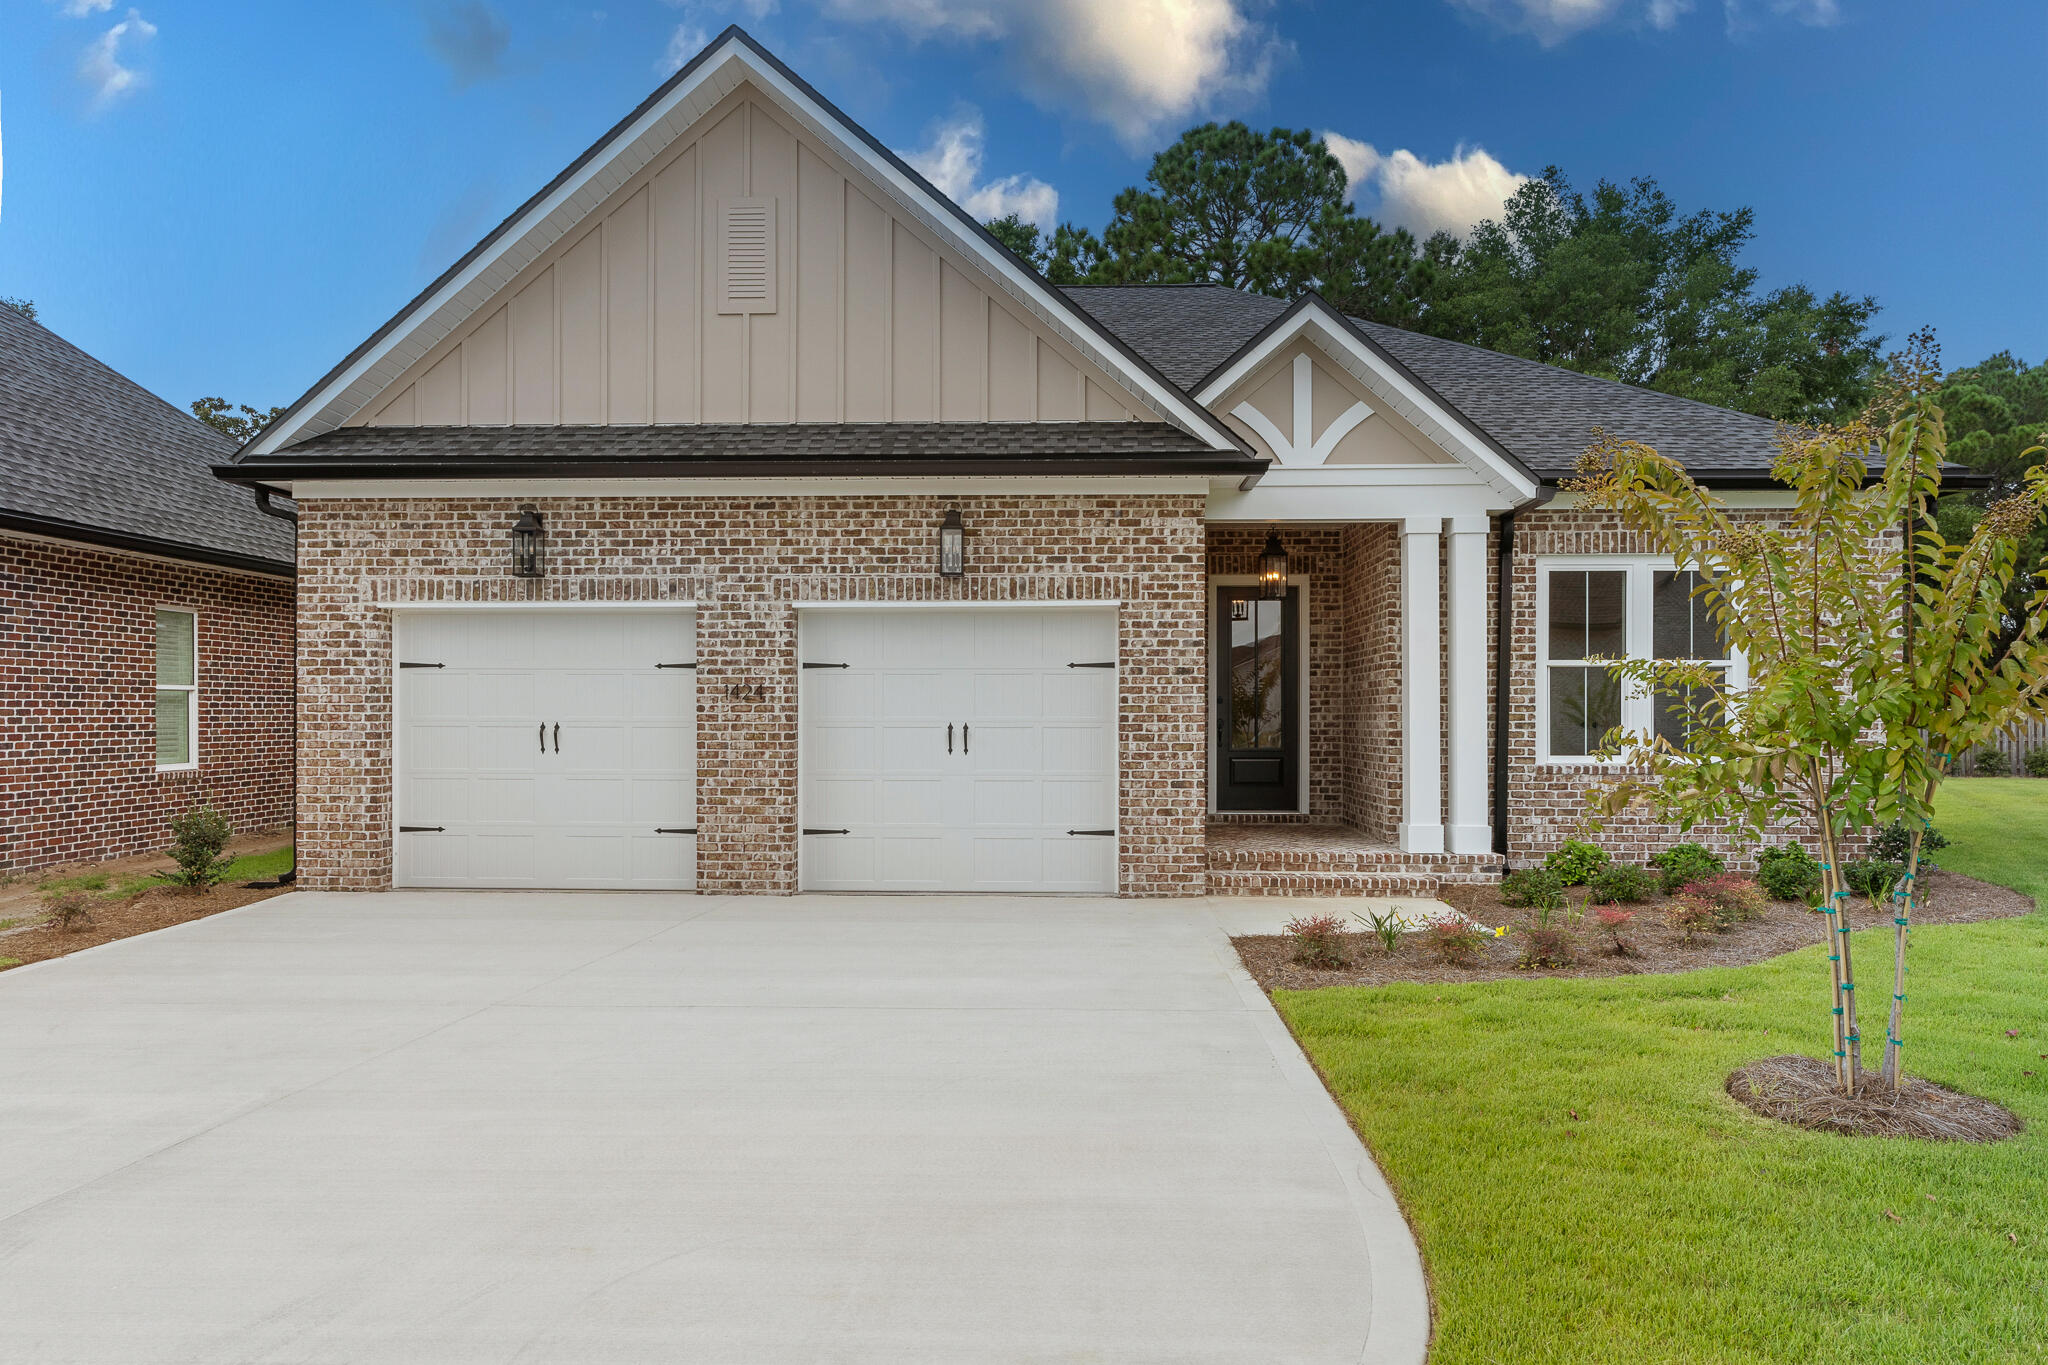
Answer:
(456, 1127)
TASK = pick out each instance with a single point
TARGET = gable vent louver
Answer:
(746, 232)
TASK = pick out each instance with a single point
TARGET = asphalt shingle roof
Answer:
(1545, 415)
(86, 447)
(718, 448)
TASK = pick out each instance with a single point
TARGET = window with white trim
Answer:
(1616, 608)
(177, 688)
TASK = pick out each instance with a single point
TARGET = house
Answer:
(739, 515)
(145, 616)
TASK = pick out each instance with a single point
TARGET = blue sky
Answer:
(226, 198)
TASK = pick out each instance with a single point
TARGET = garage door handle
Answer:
(963, 740)
(828, 831)
(1097, 833)
(543, 736)
(420, 829)
(558, 737)
(949, 737)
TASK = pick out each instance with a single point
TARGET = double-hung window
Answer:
(1616, 608)
(177, 688)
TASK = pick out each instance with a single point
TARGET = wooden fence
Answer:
(2014, 744)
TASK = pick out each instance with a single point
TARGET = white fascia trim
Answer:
(1335, 340)
(1053, 309)
(319, 490)
(1737, 498)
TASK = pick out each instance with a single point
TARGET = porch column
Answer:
(1470, 830)
(1422, 723)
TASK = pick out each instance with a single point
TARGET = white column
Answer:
(1422, 720)
(1470, 830)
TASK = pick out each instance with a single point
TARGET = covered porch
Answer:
(1350, 717)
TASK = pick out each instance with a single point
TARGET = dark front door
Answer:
(1258, 744)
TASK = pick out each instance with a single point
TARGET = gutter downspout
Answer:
(1503, 646)
(271, 509)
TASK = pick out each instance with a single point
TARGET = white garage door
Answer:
(546, 749)
(958, 749)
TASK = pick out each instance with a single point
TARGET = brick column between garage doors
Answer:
(746, 562)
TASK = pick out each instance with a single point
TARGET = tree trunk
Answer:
(1834, 897)
(1903, 896)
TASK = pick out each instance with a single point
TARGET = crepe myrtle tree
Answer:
(1877, 652)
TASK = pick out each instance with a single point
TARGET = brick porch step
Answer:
(1329, 860)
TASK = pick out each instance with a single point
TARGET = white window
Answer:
(1616, 608)
(177, 688)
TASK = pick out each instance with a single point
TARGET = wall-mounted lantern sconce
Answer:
(1273, 568)
(952, 546)
(529, 544)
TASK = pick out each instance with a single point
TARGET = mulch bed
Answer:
(1785, 925)
(156, 908)
(1801, 1091)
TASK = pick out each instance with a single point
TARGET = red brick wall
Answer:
(746, 562)
(78, 775)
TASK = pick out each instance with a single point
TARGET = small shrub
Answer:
(1788, 873)
(1681, 864)
(1693, 916)
(1735, 898)
(70, 909)
(1992, 762)
(1872, 877)
(1454, 940)
(197, 838)
(1387, 928)
(1575, 861)
(1315, 940)
(1544, 946)
(1893, 843)
(1620, 883)
(1615, 921)
(2035, 761)
(1533, 888)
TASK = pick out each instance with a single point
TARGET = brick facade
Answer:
(1546, 801)
(78, 776)
(746, 562)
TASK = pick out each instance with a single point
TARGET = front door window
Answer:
(1255, 703)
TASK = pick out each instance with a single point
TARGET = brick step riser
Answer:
(1319, 884)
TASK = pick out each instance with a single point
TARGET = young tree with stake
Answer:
(1876, 651)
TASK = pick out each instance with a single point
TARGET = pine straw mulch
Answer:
(1801, 1091)
(1785, 925)
(157, 908)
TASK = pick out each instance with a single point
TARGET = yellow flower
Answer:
(1501, 932)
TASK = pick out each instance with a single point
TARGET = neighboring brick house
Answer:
(740, 515)
(145, 617)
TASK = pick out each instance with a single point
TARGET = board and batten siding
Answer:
(620, 323)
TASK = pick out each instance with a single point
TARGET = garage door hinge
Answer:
(1108, 664)
(691, 830)
(406, 665)
(420, 829)
(828, 665)
(675, 665)
(1098, 833)
(827, 831)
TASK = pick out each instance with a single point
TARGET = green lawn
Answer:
(251, 867)
(1665, 1223)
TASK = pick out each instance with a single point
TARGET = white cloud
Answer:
(1425, 196)
(80, 9)
(1551, 22)
(1136, 65)
(702, 19)
(951, 160)
(100, 67)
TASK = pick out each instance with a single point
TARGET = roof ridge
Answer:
(207, 429)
